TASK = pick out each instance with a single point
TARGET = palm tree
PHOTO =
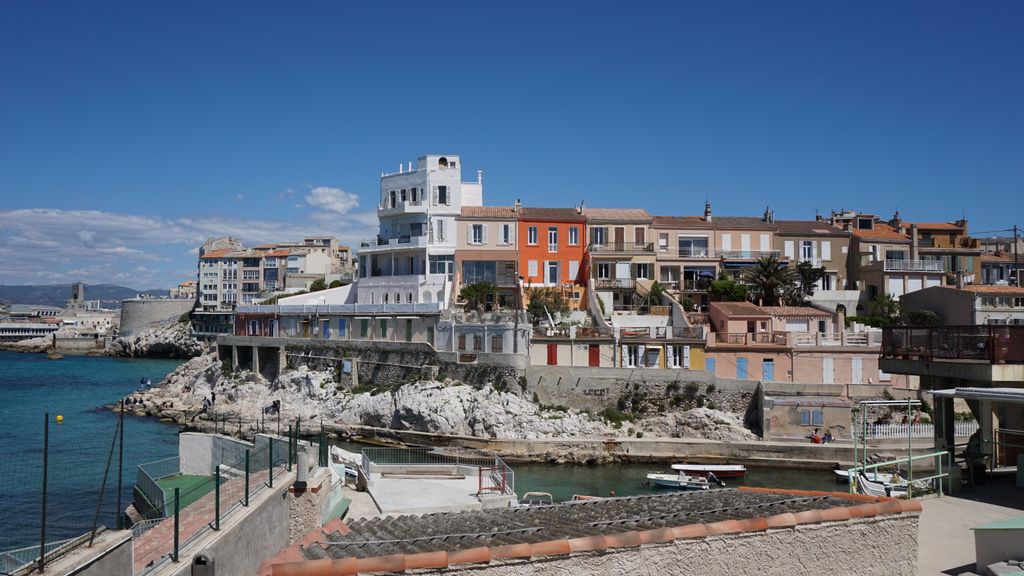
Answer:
(769, 280)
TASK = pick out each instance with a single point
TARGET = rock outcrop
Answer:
(175, 341)
(42, 343)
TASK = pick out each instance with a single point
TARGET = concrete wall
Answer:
(110, 555)
(807, 365)
(199, 453)
(146, 314)
(882, 546)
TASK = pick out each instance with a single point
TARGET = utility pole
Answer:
(1016, 265)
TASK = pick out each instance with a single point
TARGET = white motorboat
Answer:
(536, 499)
(895, 487)
(843, 476)
(719, 470)
(679, 481)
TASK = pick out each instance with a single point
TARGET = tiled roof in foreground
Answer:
(447, 539)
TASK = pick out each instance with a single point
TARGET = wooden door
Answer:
(552, 354)
(594, 355)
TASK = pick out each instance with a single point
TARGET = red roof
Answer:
(216, 253)
(881, 231)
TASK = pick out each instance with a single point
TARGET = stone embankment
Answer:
(174, 341)
(447, 407)
(40, 344)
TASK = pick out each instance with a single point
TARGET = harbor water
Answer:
(76, 388)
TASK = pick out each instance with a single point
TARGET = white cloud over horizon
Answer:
(45, 245)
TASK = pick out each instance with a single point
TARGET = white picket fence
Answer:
(961, 429)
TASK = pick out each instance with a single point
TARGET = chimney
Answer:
(519, 204)
(410, 166)
(896, 221)
(581, 208)
(767, 217)
(401, 168)
(707, 211)
(479, 176)
(913, 240)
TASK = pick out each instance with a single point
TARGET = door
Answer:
(620, 237)
(639, 236)
(767, 370)
(552, 354)
(325, 329)
(552, 272)
(745, 245)
(408, 330)
(623, 276)
(274, 328)
(828, 370)
(709, 364)
(741, 368)
(430, 335)
(594, 355)
(857, 369)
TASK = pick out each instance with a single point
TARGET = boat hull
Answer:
(673, 481)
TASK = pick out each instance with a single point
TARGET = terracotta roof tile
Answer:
(617, 215)
(488, 212)
(623, 523)
(795, 312)
(808, 228)
(216, 254)
(950, 226)
(740, 309)
(741, 223)
(881, 231)
(551, 214)
(994, 289)
(681, 222)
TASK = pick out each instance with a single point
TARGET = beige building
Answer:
(621, 251)
(687, 257)
(486, 247)
(971, 305)
(822, 245)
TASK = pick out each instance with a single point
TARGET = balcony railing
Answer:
(914, 265)
(404, 241)
(994, 344)
(696, 253)
(612, 283)
(748, 254)
(700, 285)
(623, 247)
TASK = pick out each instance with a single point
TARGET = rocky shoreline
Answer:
(174, 341)
(240, 403)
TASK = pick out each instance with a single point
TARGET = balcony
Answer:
(623, 248)
(914, 265)
(615, 284)
(698, 285)
(696, 252)
(991, 344)
(748, 254)
(399, 207)
(751, 338)
(399, 242)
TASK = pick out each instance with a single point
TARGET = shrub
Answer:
(616, 417)
(640, 434)
(317, 285)
(335, 284)
(923, 318)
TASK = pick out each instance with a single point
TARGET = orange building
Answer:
(552, 247)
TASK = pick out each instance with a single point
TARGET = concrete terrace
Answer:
(422, 493)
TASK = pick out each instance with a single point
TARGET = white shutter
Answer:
(826, 249)
(788, 249)
(532, 267)
(726, 242)
(765, 243)
(686, 357)
(828, 375)
(745, 242)
(574, 269)
(858, 370)
(434, 195)
(484, 234)
(469, 234)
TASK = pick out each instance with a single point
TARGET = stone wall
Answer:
(881, 546)
(140, 315)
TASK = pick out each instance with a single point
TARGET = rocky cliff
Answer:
(444, 407)
(175, 341)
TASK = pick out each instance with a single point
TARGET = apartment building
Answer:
(621, 251)
(792, 344)
(487, 248)
(884, 260)
(687, 256)
(822, 245)
(970, 305)
(412, 259)
(552, 250)
(742, 240)
(945, 242)
(998, 267)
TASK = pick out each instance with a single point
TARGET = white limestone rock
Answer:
(175, 341)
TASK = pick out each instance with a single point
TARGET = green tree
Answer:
(769, 280)
(479, 296)
(546, 297)
(655, 295)
(806, 278)
(317, 285)
(725, 289)
(885, 307)
(335, 284)
(923, 318)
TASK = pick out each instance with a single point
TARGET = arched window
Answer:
(409, 299)
(398, 297)
(385, 297)
(442, 162)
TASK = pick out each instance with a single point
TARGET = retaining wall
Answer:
(139, 315)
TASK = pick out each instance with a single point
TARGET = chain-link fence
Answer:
(66, 484)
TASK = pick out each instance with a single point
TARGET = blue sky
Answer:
(130, 131)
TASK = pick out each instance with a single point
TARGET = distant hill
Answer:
(110, 295)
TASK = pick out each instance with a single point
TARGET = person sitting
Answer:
(815, 437)
(827, 437)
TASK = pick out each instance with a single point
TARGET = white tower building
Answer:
(412, 260)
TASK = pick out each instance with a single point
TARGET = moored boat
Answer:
(719, 470)
(678, 480)
(536, 499)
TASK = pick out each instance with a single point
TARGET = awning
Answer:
(1005, 395)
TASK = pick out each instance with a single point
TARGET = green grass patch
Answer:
(191, 487)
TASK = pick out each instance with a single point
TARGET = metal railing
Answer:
(147, 481)
(623, 247)
(696, 253)
(12, 561)
(748, 254)
(498, 475)
(611, 283)
(961, 429)
(899, 265)
(939, 476)
(995, 344)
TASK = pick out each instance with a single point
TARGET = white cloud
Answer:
(333, 200)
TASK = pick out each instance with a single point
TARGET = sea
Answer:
(75, 388)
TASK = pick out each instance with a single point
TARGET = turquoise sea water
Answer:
(76, 388)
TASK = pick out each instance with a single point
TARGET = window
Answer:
(865, 223)
(574, 236)
(442, 265)
(598, 235)
(663, 242)
(478, 343)
(386, 297)
(553, 272)
(531, 235)
(553, 239)
(398, 297)
(476, 234)
(462, 342)
(693, 247)
(631, 356)
(497, 344)
(806, 250)
(408, 297)
(895, 255)
(404, 197)
(440, 230)
(392, 203)
(442, 197)
(604, 271)
(812, 417)
(643, 271)
(383, 328)
(414, 193)
(532, 268)
(506, 233)
(364, 327)
(477, 271)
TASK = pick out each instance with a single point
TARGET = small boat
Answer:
(536, 499)
(585, 498)
(843, 476)
(679, 480)
(895, 487)
(720, 470)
